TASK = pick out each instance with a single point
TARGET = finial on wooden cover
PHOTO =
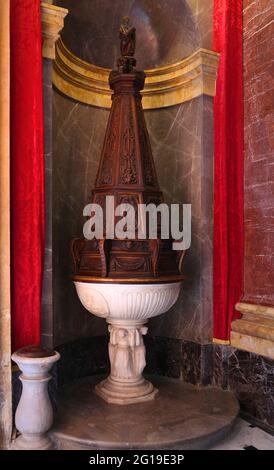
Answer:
(127, 35)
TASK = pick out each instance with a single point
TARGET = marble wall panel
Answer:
(202, 11)
(47, 295)
(182, 140)
(180, 359)
(78, 136)
(259, 151)
(251, 377)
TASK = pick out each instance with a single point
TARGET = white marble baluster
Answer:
(34, 414)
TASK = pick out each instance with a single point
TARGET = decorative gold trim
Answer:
(52, 18)
(221, 341)
(135, 280)
(254, 331)
(165, 86)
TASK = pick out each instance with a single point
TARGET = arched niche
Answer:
(166, 30)
(182, 142)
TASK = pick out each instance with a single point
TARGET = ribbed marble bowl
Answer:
(127, 301)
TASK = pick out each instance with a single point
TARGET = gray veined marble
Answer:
(167, 31)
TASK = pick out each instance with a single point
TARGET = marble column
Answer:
(52, 23)
(5, 346)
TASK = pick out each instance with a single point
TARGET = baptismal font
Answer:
(126, 281)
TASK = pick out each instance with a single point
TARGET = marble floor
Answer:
(182, 416)
(245, 436)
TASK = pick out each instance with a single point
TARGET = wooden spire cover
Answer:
(126, 172)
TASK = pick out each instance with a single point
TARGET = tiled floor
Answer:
(245, 436)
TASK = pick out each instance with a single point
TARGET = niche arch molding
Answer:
(165, 86)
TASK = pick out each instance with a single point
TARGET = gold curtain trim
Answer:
(221, 341)
(165, 86)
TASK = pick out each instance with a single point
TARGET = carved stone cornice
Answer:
(254, 331)
(165, 86)
(52, 18)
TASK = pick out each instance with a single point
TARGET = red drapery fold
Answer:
(27, 172)
(228, 166)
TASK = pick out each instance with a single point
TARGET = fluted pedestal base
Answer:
(126, 393)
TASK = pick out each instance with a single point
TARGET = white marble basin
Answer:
(127, 301)
(127, 307)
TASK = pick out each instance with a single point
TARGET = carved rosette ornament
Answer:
(145, 273)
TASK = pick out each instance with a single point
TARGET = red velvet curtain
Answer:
(228, 166)
(27, 172)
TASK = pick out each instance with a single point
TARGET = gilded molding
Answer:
(165, 86)
(254, 331)
(52, 19)
(255, 309)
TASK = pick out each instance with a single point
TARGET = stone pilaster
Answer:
(5, 346)
(52, 18)
(52, 23)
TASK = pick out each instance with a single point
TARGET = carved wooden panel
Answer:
(128, 169)
(111, 145)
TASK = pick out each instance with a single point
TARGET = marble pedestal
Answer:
(125, 384)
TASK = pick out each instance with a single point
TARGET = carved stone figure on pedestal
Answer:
(127, 35)
(127, 352)
(127, 356)
(120, 353)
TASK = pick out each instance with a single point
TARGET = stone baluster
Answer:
(34, 414)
